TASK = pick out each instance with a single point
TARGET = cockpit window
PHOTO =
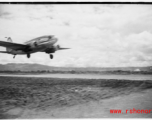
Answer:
(44, 39)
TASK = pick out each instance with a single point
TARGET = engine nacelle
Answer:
(33, 45)
(57, 47)
(53, 49)
(50, 50)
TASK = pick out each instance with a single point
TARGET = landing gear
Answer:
(28, 55)
(14, 56)
(51, 56)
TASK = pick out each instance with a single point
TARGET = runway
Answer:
(85, 76)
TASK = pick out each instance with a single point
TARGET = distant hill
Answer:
(39, 67)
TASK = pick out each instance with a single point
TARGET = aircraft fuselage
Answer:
(37, 45)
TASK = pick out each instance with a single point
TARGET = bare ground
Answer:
(72, 98)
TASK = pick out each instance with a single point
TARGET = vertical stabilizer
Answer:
(9, 40)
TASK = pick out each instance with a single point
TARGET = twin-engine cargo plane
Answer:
(40, 44)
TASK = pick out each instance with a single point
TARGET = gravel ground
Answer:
(20, 94)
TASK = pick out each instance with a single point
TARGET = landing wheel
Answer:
(14, 56)
(28, 55)
(51, 56)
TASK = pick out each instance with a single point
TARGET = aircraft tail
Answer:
(4, 52)
(9, 40)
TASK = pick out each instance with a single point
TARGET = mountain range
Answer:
(39, 67)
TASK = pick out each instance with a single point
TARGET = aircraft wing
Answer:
(14, 46)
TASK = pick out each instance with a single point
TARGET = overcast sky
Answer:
(98, 35)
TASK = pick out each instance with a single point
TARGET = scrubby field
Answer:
(17, 93)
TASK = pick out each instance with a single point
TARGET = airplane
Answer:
(39, 44)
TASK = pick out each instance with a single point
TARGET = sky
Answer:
(99, 35)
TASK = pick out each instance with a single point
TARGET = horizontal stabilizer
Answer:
(4, 52)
